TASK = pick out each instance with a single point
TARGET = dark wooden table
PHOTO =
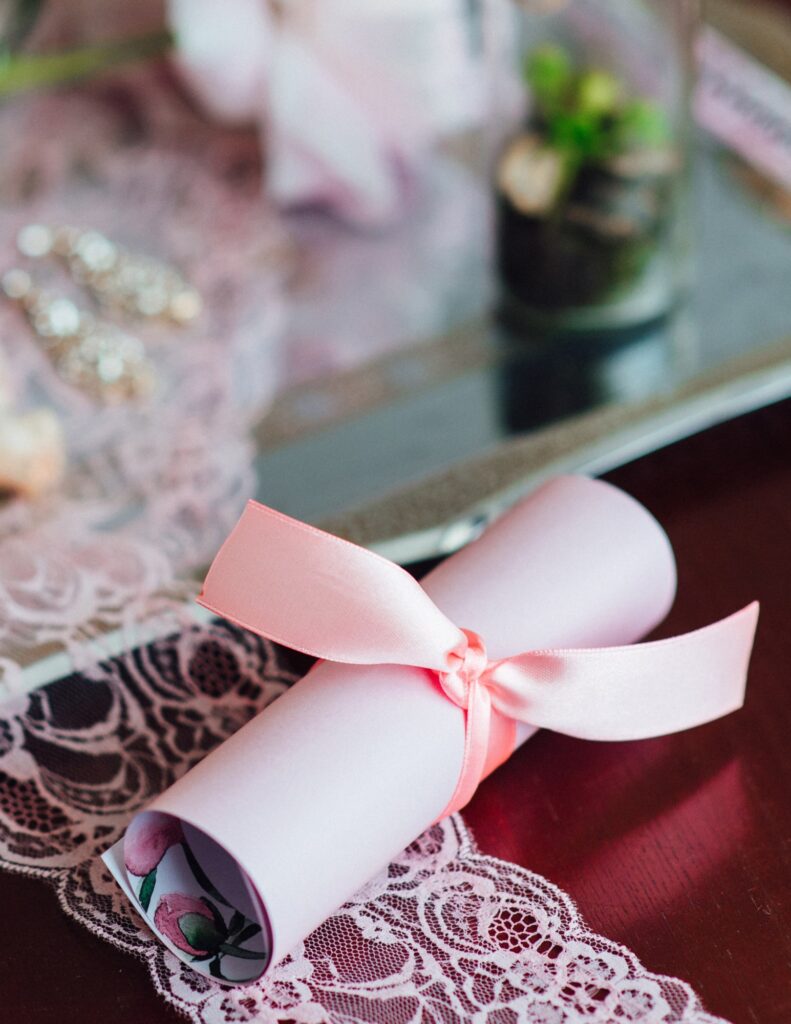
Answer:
(679, 847)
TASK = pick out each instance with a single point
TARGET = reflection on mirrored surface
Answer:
(434, 402)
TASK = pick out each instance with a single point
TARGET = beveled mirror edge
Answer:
(442, 512)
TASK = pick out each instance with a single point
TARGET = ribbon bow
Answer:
(331, 599)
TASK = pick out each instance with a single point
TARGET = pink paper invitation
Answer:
(251, 850)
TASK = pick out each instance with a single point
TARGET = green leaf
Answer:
(578, 134)
(200, 932)
(219, 920)
(37, 70)
(597, 93)
(248, 933)
(202, 878)
(548, 71)
(243, 954)
(214, 969)
(237, 921)
(147, 889)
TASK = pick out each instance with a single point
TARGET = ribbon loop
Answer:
(321, 595)
(324, 596)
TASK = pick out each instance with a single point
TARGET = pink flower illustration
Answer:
(189, 924)
(148, 839)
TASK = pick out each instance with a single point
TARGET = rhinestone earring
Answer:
(119, 280)
(88, 353)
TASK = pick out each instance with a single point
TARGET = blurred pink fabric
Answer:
(348, 107)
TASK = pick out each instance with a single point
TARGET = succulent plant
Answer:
(584, 187)
(587, 112)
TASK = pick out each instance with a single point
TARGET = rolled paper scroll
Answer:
(423, 691)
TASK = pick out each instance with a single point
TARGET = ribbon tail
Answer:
(313, 592)
(476, 748)
(634, 692)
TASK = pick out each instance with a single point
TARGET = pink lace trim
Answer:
(151, 490)
(445, 934)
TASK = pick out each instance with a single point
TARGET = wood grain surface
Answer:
(678, 847)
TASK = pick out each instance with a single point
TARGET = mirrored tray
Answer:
(415, 452)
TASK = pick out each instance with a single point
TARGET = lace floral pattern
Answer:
(152, 489)
(445, 934)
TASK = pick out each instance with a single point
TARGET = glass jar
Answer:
(590, 143)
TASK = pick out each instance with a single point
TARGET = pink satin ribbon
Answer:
(313, 592)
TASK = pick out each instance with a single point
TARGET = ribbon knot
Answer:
(466, 665)
(347, 604)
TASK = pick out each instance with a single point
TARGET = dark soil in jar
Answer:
(564, 245)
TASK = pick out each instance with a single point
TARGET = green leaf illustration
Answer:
(248, 933)
(219, 920)
(214, 969)
(202, 878)
(244, 954)
(200, 932)
(147, 889)
(236, 922)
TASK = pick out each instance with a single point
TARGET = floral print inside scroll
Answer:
(214, 932)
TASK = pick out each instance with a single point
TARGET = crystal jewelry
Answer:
(121, 281)
(88, 353)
